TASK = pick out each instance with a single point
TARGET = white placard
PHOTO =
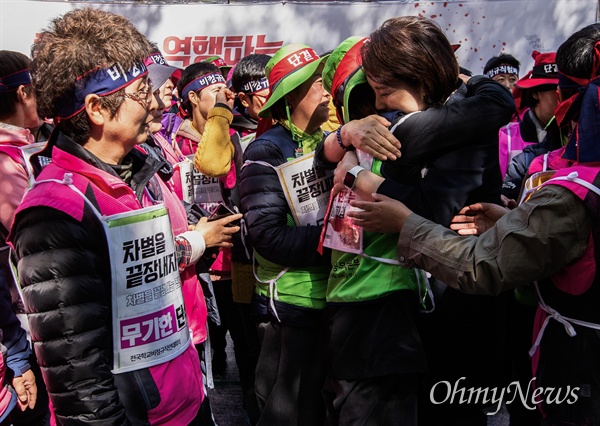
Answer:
(306, 188)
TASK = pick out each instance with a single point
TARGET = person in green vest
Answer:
(447, 124)
(291, 276)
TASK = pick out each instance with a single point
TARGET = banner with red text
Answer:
(188, 33)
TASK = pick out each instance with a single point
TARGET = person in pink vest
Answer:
(102, 243)
(550, 243)
(17, 114)
(535, 97)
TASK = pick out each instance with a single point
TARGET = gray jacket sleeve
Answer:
(527, 244)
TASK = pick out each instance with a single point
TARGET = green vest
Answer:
(355, 278)
(301, 287)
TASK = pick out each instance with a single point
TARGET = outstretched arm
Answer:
(477, 218)
(518, 249)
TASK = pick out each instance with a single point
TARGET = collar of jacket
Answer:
(144, 167)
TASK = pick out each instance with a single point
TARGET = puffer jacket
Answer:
(265, 207)
(274, 236)
(65, 274)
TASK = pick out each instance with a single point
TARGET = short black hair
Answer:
(575, 57)
(251, 67)
(189, 74)
(504, 58)
(10, 63)
(527, 99)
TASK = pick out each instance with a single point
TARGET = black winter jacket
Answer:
(449, 154)
(64, 270)
(266, 210)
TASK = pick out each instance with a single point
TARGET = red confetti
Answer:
(433, 16)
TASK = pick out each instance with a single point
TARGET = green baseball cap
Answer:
(291, 66)
(219, 62)
(343, 72)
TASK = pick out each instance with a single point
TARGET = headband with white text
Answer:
(101, 82)
(201, 83)
(502, 69)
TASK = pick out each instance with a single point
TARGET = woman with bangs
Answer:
(447, 132)
(107, 319)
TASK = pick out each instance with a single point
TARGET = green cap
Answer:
(219, 62)
(343, 72)
(291, 66)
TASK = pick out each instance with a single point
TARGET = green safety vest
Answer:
(301, 287)
(355, 278)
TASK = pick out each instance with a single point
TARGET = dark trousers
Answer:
(289, 376)
(464, 337)
(218, 333)
(236, 318)
(380, 401)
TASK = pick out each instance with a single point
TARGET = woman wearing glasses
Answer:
(102, 243)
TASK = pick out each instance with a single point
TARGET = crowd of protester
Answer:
(365, 223)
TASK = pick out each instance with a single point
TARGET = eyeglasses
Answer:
(143, 97)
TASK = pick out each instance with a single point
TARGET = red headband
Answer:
(346, 68)
(291, 63)
(583, 108)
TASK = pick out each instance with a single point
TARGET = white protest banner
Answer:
(28, 151)
(149, 320)
(306, 188)
(188, 33)
(207, 190)
(186, 173)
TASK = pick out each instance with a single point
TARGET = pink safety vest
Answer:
(510, 144)
(577, 278)
(114, 196)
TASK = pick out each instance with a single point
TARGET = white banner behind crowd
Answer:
(188, 33)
